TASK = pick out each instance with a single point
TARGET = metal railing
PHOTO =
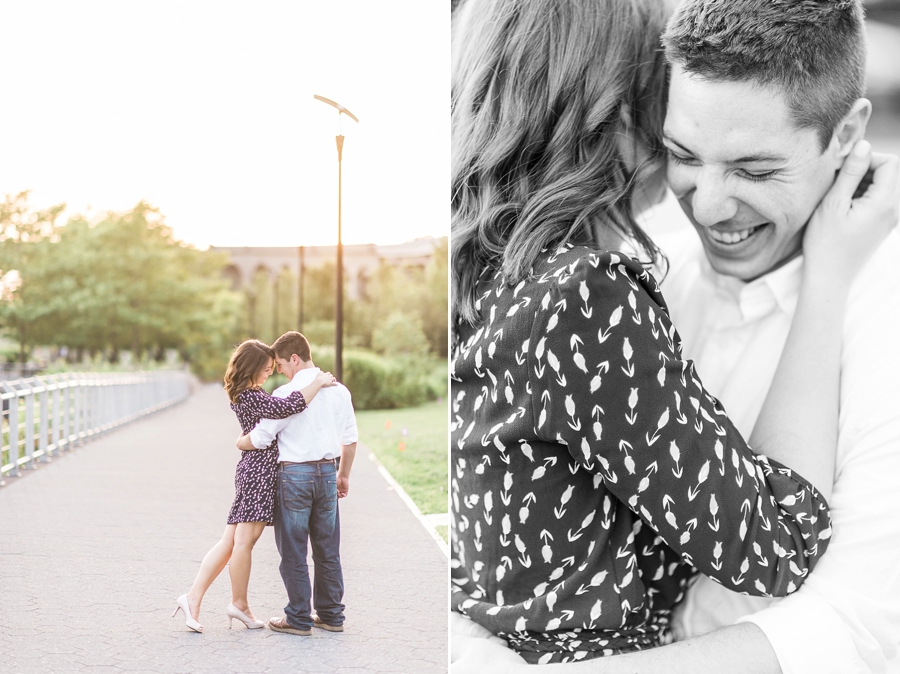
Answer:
(43, 416)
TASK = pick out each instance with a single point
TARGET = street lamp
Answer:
(339, 293)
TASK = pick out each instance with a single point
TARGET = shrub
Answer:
(378, 382)
(319, 332)
(400, 334)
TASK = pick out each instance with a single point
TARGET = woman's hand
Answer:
(322, 380)
(798, 423)
(326, 379)
(843, 232)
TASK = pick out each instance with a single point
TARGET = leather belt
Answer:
(306, 463)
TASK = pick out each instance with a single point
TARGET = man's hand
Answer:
(244, 444)
(348, 453)
(343, 485)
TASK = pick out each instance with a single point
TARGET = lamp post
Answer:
(339, 293)
(300, 271)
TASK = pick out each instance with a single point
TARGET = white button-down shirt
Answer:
(846, 616)
(318, 431)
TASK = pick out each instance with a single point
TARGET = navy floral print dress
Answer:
(256, 472)
(592, 475)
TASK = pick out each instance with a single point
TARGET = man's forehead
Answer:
(745, 149)
(740, 122)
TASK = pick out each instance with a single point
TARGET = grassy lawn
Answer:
(412, 444)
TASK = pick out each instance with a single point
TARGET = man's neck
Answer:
(304, 365)
(778, 265)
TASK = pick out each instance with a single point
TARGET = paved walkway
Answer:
(95, 547)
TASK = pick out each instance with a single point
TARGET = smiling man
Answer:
(765, 104)
(746, 176)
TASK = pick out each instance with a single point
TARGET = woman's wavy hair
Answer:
(249, 358)
(542, 93)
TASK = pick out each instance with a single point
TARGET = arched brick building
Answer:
(361, 261)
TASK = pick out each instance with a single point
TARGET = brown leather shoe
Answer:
(282, 625)
(325, 626)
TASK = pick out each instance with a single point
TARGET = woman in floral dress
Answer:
(254, 481)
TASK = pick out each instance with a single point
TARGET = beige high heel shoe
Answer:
(234, 612)
(183, 606)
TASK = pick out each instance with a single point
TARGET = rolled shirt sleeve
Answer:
(265, 432)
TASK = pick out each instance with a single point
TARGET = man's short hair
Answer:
(290, 343)
(812, 50)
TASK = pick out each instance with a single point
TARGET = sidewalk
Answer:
(95, 547)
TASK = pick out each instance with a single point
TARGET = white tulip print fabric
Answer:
(592, 475)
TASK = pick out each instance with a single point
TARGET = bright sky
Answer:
(205, 109)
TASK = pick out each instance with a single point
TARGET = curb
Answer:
(429, 527)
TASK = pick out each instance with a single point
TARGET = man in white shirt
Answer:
(764, 105)
(316, 449)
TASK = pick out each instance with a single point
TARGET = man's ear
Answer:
(295, 359)
(850, 130)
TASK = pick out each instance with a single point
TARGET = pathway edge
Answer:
(409, 503)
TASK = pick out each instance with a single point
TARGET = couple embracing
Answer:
(298, 447)
(604, 502)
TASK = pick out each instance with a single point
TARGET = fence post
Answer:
(55, 429)
(29, 427)
(65, 394)
(77, 396)
(86, 393)
(14, 434)
(43, 448)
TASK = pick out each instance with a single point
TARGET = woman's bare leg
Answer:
(210, 568)
(245, 537)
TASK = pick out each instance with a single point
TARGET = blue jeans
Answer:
(306, 510)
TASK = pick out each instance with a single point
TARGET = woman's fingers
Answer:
(885, 179)
(851, 174)
(880, 159)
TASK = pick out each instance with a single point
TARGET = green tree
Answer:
(319, 291)
(434, 300)
(400, 334)
(122, 283)
(412, 291)
(26, 238)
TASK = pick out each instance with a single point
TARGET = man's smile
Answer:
(734, 236)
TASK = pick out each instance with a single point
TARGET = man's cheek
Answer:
(679, 178)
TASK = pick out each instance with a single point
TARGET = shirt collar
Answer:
(777, 289)
(304, 377)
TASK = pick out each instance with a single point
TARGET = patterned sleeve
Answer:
(609, 382)
(272, 407)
